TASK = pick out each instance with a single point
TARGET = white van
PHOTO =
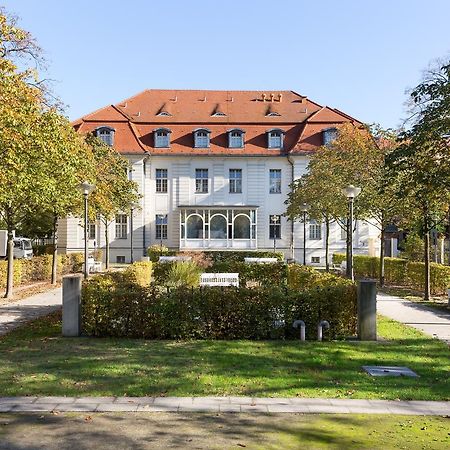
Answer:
(22, 246)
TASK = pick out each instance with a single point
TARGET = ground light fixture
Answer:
(351, 192)
(86, 188)
(304, 209)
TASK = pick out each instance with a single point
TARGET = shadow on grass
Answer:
(195, 430)
(37, 361)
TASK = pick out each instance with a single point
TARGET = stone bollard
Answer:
(367, 310)
(71, 310)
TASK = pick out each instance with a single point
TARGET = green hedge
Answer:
(402, 272)
(113, 306)
(39, 268)
(271, 274)
(139, 273)
(303, 277)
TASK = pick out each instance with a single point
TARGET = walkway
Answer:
(13, 314)
(221, 404)
(432, 322)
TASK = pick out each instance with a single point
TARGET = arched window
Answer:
(194, 227)
(201, 138)
(329, 135)
(218, 227)
(162, 137)
(236, 138)
(105, 134)
(241, 227)
(275, 138)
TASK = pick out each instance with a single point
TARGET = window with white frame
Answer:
(91, 230)
(315, 259)
(235, 181)
(275, 138)
(201, 181)
(236, 138)
(105, 134)
(201, 138)
(161, 226)
(121, 226)
(161, 180)
(275, 226)
(275, 181)
(162, 138)
(329, 135)
(315, 230)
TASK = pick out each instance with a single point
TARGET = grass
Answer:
(36, 360)
(223, 431)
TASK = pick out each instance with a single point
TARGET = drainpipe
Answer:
(292, 222)
(144, 184)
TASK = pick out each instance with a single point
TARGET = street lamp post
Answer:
(351, 192)
(86, 188)
(275, 220)
(161, 218)
(304, 209)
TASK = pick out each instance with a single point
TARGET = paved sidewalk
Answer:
(430, 321)
(14, 314)
(221, 404)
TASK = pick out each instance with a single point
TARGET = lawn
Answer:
(36, 360)
(222, 431)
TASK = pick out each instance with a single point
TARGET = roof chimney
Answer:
(280, 97)
(272, 97)
(263, 97)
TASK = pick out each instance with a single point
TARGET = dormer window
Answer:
(275, 138)
(329, 135)
(201, 138)
(218, 111)
(236, 138)
(105, 134)
(162, 137)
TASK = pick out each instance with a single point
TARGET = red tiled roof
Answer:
(256, 112)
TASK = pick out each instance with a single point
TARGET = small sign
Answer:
(260, 260)
(219, 279)
(386, 371)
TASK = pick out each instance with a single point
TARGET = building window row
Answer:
(202, 138)
(202, 181)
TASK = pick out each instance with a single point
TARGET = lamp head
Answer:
(351, 191)
(304, 208)
(86, 188)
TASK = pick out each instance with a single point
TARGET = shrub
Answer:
(39, 250)
(202, 259)
(303, 277)
(114, 307)
(338, 258)
(230, 256)
(139, 273)
(413, 248)
(184, 273)
(157, 250)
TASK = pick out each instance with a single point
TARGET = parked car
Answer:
(22, 246)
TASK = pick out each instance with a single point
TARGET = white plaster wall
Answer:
(181, 191)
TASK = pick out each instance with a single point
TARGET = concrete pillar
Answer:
(71, 313)
(367, 310)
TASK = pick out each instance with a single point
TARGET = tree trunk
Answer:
(10, 269)
(327, 244)
(106, 245)
(55, 250)
(382, 253)
(442, 250)
(427, 258)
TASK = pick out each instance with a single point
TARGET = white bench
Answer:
(260, 260)
(165, 259)
(219, 279)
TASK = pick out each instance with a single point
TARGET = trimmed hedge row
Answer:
(116, 307)
(401, 271)
(139, 273)
(39, 268)
(272, 274)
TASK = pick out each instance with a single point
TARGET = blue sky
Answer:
(358, 56)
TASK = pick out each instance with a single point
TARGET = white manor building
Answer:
(213, 170)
